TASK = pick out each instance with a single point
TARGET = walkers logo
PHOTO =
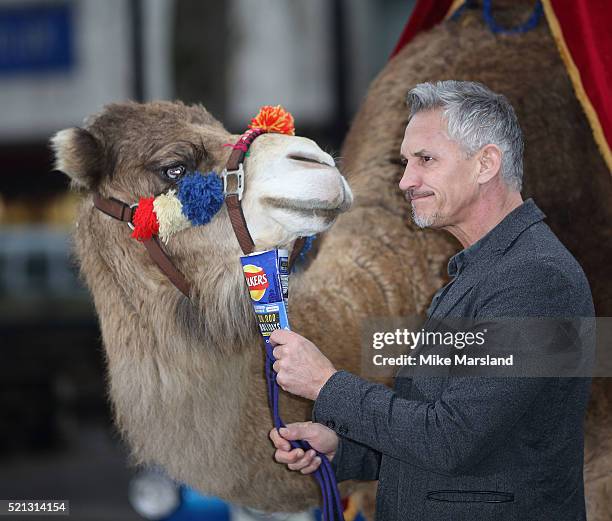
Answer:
(257, 281)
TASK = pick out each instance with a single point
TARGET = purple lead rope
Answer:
(332, 506)
(324, 475)
(321, 478)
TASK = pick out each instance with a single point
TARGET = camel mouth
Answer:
(313, 207)
(305, 209)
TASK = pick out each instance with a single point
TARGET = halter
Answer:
(234, 168)
(233, 189)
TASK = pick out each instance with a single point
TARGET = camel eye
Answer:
(174, 172)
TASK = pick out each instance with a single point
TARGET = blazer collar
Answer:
(474, 262)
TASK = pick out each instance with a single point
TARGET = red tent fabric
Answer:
(425, 15)
(581, 29)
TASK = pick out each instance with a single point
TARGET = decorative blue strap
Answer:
(487, 14)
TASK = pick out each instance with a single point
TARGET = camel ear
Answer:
(79, 155)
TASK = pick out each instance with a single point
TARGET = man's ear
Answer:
(79, 155)
(490, 163)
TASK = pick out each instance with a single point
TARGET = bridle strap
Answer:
(232, 199)
(159, 256)
(124, 212)
(113, 208)
(234, 167)
(241, 230)
(240, 149)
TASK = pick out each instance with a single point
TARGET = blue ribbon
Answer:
(494, 27)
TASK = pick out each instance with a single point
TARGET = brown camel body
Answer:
(186, 378)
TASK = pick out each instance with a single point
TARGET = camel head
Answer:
(130, 150)
(183, 371)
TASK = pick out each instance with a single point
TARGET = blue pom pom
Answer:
(201, 196)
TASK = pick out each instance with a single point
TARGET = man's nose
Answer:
(410, 179)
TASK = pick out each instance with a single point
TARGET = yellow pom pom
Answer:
(274, 119)
(170, 216)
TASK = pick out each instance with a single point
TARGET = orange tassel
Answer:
(274, 119)
(145, 220)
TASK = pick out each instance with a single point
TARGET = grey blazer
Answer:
(475, 448)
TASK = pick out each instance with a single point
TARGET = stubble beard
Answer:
(424, 221)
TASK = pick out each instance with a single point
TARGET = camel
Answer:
(186, 375)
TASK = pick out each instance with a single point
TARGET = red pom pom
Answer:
(274, 119)
(145, 220)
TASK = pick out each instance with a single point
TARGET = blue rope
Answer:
(487, 14)
(302, 257)
(533, 21)
(307, 247)
(324, 475)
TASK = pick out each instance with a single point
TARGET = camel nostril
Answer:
(305, 159)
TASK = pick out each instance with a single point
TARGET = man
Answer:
(459, 448)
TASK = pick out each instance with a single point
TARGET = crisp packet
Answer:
(267, 278)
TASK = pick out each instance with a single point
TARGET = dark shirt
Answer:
(455, 265)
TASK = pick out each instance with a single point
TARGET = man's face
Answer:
(439, 180)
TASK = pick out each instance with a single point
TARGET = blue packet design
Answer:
(267, 277)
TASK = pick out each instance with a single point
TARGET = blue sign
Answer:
(36, 38)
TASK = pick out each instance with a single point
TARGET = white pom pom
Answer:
(170, 216)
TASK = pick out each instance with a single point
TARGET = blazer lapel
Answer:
(498, 240)
(460, 287)
(453, 297)
(502, 236)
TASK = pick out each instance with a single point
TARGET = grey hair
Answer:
(476, 116)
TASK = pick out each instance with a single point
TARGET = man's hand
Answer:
(320, 438)
(301, 368)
